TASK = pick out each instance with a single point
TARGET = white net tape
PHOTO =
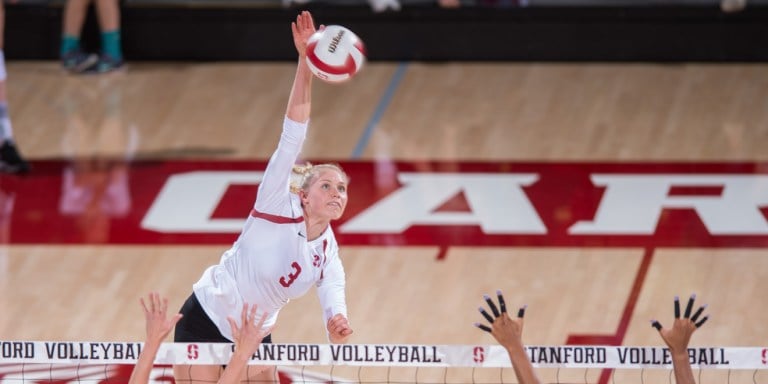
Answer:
(389, 355)
(112, 362)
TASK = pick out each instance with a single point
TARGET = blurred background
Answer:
(422, 30)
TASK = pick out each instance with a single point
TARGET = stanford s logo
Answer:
(192, 352)
(478, 354)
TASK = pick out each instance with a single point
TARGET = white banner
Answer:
(409, 355)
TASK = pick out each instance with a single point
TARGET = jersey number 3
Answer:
(291, 276)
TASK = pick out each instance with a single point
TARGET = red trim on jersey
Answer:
(276, 219)
(325, 248)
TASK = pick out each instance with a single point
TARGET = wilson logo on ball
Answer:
(335, 54)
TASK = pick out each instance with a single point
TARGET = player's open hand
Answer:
(505, 330)
(248, 337)
(155, 311)
(678, 337)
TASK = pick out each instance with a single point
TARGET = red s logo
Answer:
(192, 352)
(765, 355)
(479, 354)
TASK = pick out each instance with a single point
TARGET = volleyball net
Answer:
(111, 362)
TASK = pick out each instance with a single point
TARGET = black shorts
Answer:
(196, 327)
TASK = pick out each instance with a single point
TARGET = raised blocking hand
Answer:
(503, 328)
(678, 337)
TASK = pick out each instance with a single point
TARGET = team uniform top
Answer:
(272, 262)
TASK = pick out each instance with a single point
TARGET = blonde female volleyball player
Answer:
(286, 245)
(247, 339)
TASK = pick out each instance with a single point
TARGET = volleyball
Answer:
(335, 54)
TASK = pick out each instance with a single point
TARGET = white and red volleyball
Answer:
(335, 54)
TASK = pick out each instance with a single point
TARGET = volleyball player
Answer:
(247, 339)
(286, 245)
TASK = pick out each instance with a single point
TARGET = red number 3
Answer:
(291, 276)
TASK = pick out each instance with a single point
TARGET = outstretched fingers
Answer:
(689, 306)
(144, 306)
(677, 307)
(499, 311)
(502, 303)
(154, 304)
(687, 315)
(494, 309)
(483, 327)
(244, 315)
(309, 21)
(155, 310)
(302, 29)
(696, 315)
(485, 314)
(492, 305)
(521, 311)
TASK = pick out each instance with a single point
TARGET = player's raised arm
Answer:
(299, 102)
(158, 327)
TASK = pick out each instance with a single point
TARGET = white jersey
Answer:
(272, 262)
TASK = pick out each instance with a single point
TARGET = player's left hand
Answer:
(158, 325)
(339, 329)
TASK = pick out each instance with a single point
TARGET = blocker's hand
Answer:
(248, 336)
(158, 325)
(505, 330)
(678, 337)
(339, 329)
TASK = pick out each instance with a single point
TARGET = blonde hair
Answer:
(303, 175)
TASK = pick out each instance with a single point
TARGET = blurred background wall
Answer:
(419, 30)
